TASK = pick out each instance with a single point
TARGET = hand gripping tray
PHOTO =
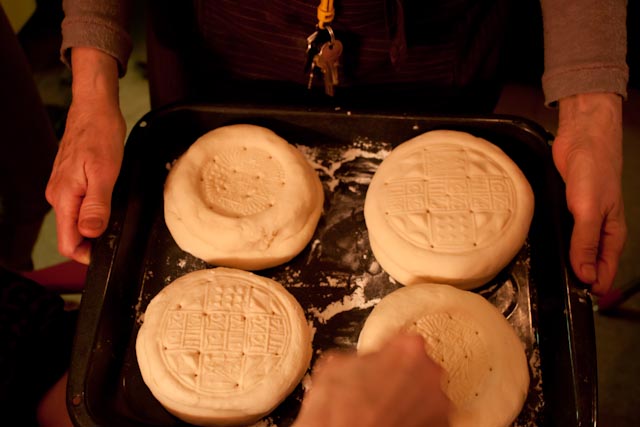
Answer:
(336, 278)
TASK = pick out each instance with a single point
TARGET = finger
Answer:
(413, 350)
(49, 192)
(585, 241)
(96, 205)
(330, 359)
(68, 235)
(409, 342)
(611, 246)
(410, 347)
(82, 253)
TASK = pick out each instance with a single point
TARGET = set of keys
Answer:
(323, 50)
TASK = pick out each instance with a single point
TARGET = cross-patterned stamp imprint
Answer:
(447, 198)
(224, 336)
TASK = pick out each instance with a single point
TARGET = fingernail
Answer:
(92, 223)
(84, 259)
(589, 272)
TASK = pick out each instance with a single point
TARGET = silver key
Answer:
(312, 72)
(312, 50)
(327, 60)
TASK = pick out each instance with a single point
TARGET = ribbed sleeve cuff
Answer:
(562, 83)
(99, 34)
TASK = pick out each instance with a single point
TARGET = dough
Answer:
(242, 197)
(223, 346)
(486, 372)
(447, 207)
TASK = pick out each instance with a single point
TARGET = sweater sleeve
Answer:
(585, 46)
(101, 24)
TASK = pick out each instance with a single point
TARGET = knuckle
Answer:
(584, 209)
(94, 205)
(49, 195)
(586, 252)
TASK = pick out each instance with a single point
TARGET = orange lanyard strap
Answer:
(326, 12)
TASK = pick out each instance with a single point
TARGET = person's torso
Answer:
(440, 43)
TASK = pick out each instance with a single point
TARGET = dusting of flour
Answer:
(356, 299)
(329, 166)
(265, 422)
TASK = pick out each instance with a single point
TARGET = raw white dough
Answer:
(223, 346)
(486, 372)
(242, 197)
(447, 207)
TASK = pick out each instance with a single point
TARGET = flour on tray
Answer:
(328, 165)
(265, 422)
(357, 299)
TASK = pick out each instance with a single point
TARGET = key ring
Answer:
(325, 13)
(323, 56)
(332, 36)
(312, 39)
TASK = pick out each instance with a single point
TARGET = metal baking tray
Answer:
(336, 278)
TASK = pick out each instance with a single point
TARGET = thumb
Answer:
(95, 209)
(585, 243)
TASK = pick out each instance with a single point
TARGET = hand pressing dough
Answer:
(223, 346)
(242, 197)
(447, 207)
(485, 368)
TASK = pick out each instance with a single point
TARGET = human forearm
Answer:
(90, 153)
(101, 24)
(586, 73)
(95, 76)
(599, 114)
(584, 47)
(588, 155)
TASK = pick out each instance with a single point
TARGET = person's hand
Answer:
(90, 154)
(588, 155)
(397, 386)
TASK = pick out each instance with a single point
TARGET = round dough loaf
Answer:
(485, 368)
(447, 207)
(223, 346)
(242, 197)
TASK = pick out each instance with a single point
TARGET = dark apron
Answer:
(429, 56)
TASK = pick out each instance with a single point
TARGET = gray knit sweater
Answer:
(584, 40)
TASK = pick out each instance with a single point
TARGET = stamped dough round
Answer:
(485, 368)
(242, 197)
(223, 346)
(447, 207)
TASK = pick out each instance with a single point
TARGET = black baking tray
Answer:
(335, 278)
